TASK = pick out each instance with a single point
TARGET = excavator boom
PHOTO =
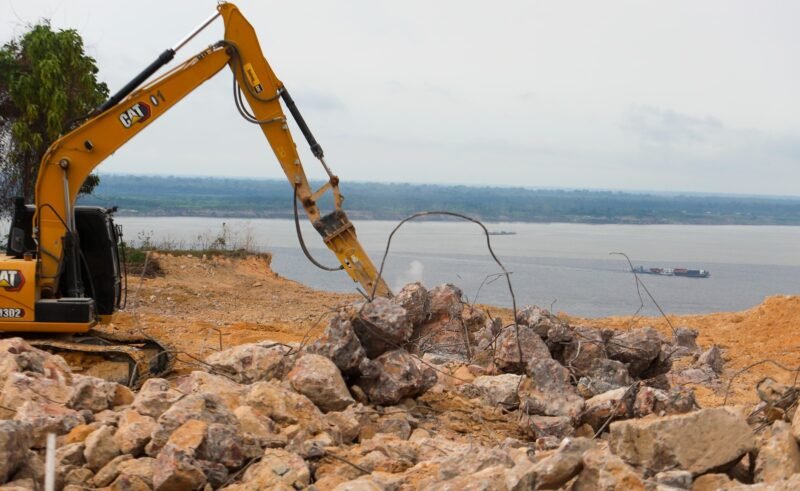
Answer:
(50, 281)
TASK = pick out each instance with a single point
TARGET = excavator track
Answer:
(123, 359)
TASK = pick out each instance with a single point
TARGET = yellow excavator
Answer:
(61, 270)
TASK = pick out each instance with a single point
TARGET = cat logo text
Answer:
(137, 113)
(11, 280)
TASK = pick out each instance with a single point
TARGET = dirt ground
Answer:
(203, 303)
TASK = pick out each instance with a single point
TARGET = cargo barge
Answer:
(687, 273)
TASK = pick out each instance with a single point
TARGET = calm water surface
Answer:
(564, 265)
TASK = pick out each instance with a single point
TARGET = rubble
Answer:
(317, 378)
(697, 442)
(422, 391)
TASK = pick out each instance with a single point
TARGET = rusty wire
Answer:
(488, 246)
(796, 371)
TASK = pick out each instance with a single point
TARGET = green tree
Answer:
(47, 83)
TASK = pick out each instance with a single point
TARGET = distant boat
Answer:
(687, 273)
(502, 232)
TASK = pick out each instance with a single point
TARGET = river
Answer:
(566, 266)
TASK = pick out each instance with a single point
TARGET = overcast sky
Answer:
(632, 95)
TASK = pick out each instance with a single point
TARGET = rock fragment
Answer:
(134, 432)
(340, 343)
(248, 363)
(637, 348)
(393, 376)
(381, 326)
(779, 457)
(100, 448)
(696, 442)
(507, 354)
(317, 378)
(500, 390)
(15, 440)
(603, 471)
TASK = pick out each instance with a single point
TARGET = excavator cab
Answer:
(99, 275)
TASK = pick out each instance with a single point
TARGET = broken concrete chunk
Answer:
(155, 397)
(603, 471)
(340, 343)
(500, 390)
(604, 375)
(779, 457)
(416, 300)
(248, 363)
(92, 393)
(696, 442)
(587, 345)
(507, 355)
(15, 440)
(317, 378)
(614, 404)
(381, 326)
(711, 357)
(536, 427)
(206, 407)
(100, 448)
(395, 375)
(47, 417)
(134, 432)
(278, 469)
(637, 348)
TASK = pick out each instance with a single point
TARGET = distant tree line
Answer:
(184, 196)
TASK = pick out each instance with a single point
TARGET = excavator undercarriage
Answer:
(69, 326)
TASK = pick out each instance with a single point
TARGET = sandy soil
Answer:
(203, 303)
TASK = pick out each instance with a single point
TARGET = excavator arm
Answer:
(70, 160)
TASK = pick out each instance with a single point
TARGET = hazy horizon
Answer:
(444, 184)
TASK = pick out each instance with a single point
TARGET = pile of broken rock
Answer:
(418, 392)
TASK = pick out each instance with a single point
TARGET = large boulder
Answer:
(15, 440)
(196, 382)
(21, 387)
(696, 442)
(602, 376)
(394, 376)
(614, 404)
(317, 378)
(47, 417)
(248, 363)
(285, 407)
(416, 300)
(134, 432)
(176, 466)
(586, 345)
(514, 339)
(205, 406)
(155, 397)
(381, 326)
(637, 348)
(340, 343)
(547, 390)
(100, 448)
(92, 393)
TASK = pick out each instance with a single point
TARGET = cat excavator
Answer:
(60, 276)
